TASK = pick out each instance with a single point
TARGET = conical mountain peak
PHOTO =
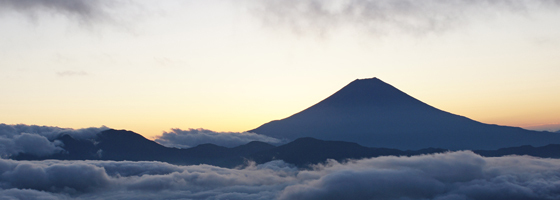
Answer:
(373, 113)
(368, 93)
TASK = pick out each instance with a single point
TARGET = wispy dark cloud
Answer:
(456, 175)
(37, 140)
(85, 11)
(192, 137)
(387, 16)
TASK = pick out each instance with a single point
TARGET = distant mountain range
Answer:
(126, 145)
(367, 118)
(373, 113)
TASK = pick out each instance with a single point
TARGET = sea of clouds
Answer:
(454, 175)
(459, 175)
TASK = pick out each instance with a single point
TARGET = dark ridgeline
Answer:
(548, 151)
(366, 112)
(306, 151)
(126, 145)
(121, 145)
(373, 113)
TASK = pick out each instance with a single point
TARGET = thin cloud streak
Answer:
(189, 138)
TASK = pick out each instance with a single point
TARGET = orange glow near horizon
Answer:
(152, 122)
(232, 72)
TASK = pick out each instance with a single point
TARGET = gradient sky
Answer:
(232, 65)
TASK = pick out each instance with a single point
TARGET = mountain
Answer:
(121, 145)
(548, 151)
(304, 151)
(127, 145)
(373, 113)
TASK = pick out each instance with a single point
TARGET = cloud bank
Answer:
(387, 16)
(38, 140)
(456, 175)
(189, 138)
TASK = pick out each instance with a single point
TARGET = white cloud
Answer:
(36, 144)
(38, 140)
(30, 194)
(91, 179)
(28, 143)
(192, 137)
(457, 175)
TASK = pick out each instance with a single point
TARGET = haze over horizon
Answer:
(230, 65)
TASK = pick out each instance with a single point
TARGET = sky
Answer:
(232, 65)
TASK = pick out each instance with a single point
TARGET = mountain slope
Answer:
(305, 151)
(373, 113)
(548, 151)
(126, 145)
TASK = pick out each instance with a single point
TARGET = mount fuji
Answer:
(373, 113)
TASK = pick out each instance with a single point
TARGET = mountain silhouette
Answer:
(373, 113)
(548, 151)
(305, 151)
(121, 145)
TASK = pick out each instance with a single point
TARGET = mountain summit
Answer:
(373, 113)
(369, 92)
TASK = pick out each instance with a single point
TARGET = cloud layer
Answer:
(375, 16)
(38, 140)
(457, 175)
(387, 16)
(189, 138)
